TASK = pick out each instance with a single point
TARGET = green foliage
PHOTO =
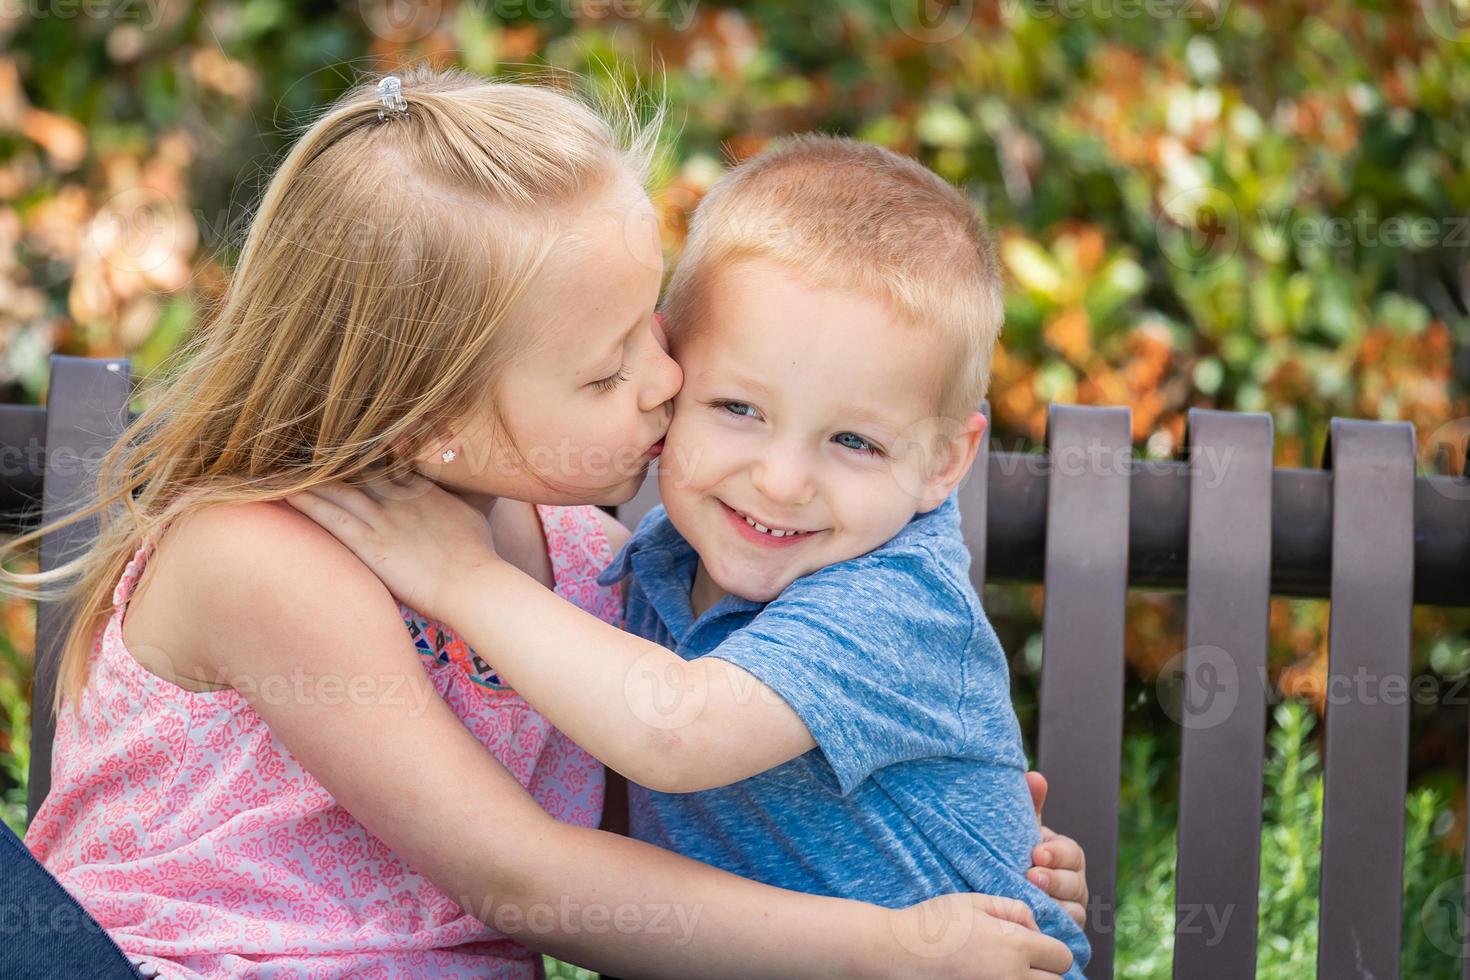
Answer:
(15, 736)
(557, 970)
(1291, 836)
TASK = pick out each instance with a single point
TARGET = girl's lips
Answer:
(655, 450)
(756, 537)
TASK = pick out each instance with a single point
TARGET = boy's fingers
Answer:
(1077, 913)
(1036, 783)
(1060, 852)
(1042, 975)
(1064, 886)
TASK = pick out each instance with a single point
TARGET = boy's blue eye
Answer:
(739, 408)
(855, 442)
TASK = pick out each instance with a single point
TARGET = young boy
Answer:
(835, 715)
(834, 314)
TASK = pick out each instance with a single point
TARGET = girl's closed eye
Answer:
(858, 444)
(613, 380)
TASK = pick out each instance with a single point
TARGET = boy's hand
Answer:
(1061, 867)
(415, 536)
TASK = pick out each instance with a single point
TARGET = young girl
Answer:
(260, 771)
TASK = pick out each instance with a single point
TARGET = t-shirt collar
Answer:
(664, 564)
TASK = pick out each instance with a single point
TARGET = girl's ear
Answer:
(434, 444)
(953, 458)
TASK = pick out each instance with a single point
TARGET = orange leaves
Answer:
(1301, 627)
(1070, 334)
(1076, 297)
(1154, 634)
(62, 139)
(213, 69)
(138, 241)
(1406, 376)
(18, 616)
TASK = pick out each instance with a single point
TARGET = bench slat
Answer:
(1080, 741)
(1223, 712)
(87, 406)
(1367, 727)
(974, 501)
(22, 438)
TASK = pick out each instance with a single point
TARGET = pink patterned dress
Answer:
(201, 844)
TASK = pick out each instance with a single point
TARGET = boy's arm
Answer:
(668, 724)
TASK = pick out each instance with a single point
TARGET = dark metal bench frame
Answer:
(1088, 521)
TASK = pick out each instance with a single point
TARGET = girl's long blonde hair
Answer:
(369, 305)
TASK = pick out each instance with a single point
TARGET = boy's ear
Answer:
(954, 456)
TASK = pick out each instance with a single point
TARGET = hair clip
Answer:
(390, 93)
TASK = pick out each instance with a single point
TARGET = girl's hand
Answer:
(979, 937)
(1061, 867)
(415, 536)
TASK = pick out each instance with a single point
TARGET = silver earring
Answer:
(447, 455)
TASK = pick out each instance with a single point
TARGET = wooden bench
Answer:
(1089, 522)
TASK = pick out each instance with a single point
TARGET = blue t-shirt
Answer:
(917, 785)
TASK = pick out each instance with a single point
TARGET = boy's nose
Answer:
(783, 479)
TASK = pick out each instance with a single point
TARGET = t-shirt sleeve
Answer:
(870, 653)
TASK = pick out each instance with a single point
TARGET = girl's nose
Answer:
(664, 380)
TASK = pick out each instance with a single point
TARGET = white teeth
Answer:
(772, 532)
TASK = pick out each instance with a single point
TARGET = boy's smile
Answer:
(801, 436)
(767, 535)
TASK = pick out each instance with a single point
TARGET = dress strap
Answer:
(134, 571)
(576, 543)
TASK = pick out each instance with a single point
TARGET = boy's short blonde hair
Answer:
(851, 215)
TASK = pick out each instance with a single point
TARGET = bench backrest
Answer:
(1088, 521)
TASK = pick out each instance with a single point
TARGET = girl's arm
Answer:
(316, 644)
(666, 723)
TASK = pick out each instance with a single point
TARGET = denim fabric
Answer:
(44, 932)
